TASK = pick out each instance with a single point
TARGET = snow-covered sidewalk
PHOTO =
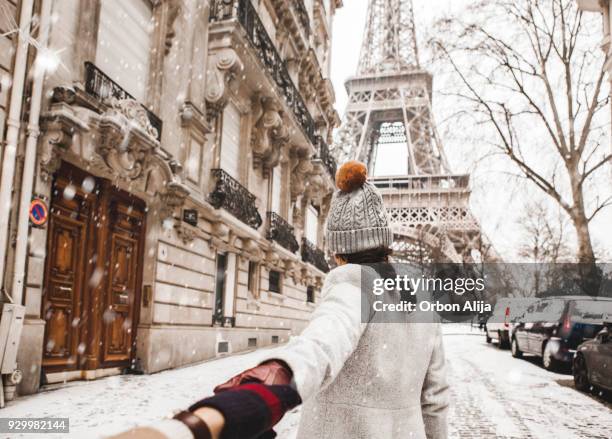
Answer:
(109, 405)
(492, 395)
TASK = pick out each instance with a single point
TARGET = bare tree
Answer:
(529, 72)
(543, 244)
(544, 235)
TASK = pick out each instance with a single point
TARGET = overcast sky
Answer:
(497, 208)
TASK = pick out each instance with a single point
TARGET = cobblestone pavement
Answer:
(493, 395)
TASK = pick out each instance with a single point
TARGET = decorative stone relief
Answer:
(270, 134)
(58, 131)
(186, 232)
(125, 145)
(222, 69)
(318, 183)
(127, 138)
(301, 166)
(174, 9)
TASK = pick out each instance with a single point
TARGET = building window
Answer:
(220, 288)
(310, 294)
(124, 44)
(312, 224)
(275, 339)
(230, 141)
(253, 279)
(276, 190)
(274, 280)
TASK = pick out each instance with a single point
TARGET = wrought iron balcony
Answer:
(313, 255)
(325, 156)
(262, 44)
(99, 85)
(235, 198)
(302, 14)
(281, 231)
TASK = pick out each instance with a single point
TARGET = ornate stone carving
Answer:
(174, 9)
(270, 133)
(318, 184)
(172, 199)
(127, 138)
(301, 166)
(186, 232)
(63, 94)
(58, 125)
(222, 69)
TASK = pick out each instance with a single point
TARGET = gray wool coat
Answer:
(366, 380)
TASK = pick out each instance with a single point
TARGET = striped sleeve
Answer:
(251, 410)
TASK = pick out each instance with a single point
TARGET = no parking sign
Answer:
(38, 212)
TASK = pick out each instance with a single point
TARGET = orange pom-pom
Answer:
(351, 175)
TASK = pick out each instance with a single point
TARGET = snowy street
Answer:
(493, 395)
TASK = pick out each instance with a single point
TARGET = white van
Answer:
(507, 309)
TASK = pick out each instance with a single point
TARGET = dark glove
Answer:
(273, 372)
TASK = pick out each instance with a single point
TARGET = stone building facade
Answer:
(182, 153)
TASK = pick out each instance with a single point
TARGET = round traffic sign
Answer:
(38, 212)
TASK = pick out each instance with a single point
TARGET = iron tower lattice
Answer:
(389, 102)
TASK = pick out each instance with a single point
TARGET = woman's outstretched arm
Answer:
(318, 354)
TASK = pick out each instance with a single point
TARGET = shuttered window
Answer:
(124, 44)
(276, 190)
(230, 141)
(312, 224)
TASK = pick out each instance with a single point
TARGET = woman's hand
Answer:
(271, 372)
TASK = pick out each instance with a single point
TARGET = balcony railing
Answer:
(313, 255)
(302, 14)
(281, 231)
(235, 198)
(325, 156)
(101, 86)
(274, 65)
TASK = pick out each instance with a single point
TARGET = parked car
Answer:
(505, 314)
(592, 365)
(553, 327)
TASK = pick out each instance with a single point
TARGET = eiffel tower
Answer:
(390, 104)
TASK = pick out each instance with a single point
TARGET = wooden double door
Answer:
(93, 274)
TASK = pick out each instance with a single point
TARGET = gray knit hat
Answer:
(357, 219)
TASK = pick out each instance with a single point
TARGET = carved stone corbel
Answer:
(270, 133)
(220, 230)
(174, 9)
(251, 247)
(223, 67)
(318, 184)
(172, 199)
(301, 166)
(272, 258)
(58, 127)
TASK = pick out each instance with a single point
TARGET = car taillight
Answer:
(567, 324)
(506, 317)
